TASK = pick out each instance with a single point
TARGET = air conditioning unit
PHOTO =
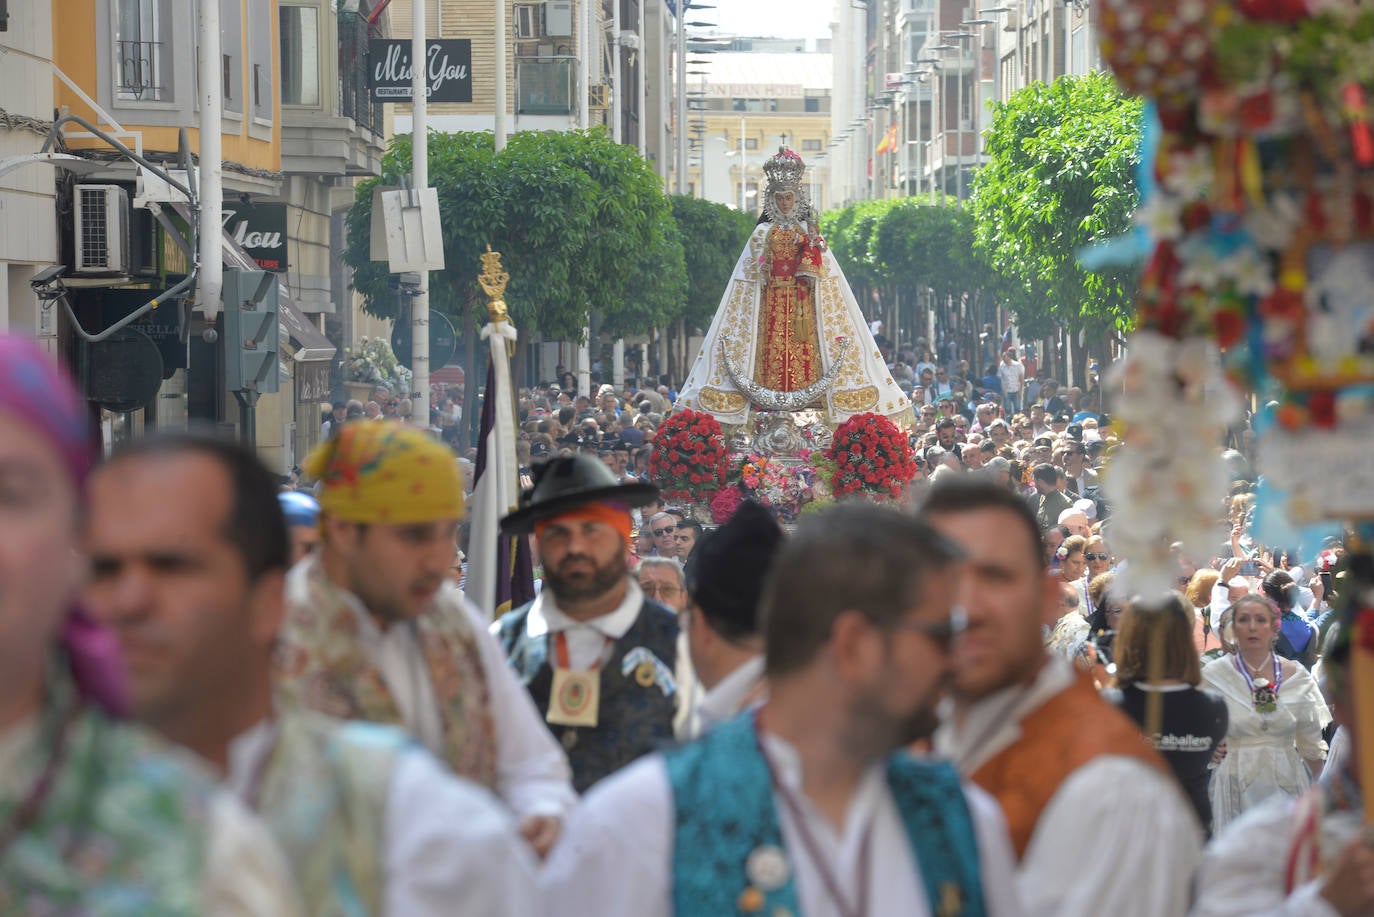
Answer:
(558, 18)
(101, 229)
(526, 20)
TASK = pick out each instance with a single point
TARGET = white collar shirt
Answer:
(730, 695)
(589, 642)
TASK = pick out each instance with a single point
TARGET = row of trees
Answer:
(584, 227)
(1060, 178)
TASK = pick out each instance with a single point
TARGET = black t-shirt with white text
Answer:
(1192, 725)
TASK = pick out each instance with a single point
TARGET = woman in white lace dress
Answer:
(1274, 742)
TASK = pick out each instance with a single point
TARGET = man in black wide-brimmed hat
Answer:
(596, 655)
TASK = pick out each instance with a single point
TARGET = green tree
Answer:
(1059, 177)
(581, 221)
(849, 233)
(713, 236)
(918, 244)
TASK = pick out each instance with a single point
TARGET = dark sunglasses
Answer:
(666, 530)
(1092, 555)
(941, 632)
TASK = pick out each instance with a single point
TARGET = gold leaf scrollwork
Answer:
(493, 280)
(856, 400)
(722, 402)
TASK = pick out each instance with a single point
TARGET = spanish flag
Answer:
(889, 143)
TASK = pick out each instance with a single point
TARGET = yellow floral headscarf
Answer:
(386, 473)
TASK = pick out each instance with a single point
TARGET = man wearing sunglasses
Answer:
(1080, 476)
(1076, 781)
(663, 530)
(770, 812)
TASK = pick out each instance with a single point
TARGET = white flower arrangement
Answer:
(373, 361)
(1166, 481)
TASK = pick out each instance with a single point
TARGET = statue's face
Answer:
(786, 202)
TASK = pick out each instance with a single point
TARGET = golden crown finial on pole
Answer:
(493, 280)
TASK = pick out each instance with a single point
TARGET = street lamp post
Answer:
(936, 119)
(997, 84)
(944, 145)
(743, 166)
(996, 77)
(960, 37)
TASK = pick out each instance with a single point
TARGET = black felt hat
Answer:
(726, 572)
(568, 481)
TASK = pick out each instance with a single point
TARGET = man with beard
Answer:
(596, 655)
(809, 805)
(1076, 780)
(946, 432)
(374, 632)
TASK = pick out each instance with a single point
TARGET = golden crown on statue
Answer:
(784, 169)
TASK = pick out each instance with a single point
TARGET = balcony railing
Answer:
(139, 70)
(545, 85)
(355, 99)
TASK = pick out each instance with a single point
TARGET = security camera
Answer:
(47, 283)
(409, 283)
(48, 275)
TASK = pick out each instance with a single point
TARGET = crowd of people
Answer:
(222, 695)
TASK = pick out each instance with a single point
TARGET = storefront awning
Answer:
(310, 344)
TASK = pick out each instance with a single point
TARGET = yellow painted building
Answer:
(746, 104)
(136, 60)
(298, 129)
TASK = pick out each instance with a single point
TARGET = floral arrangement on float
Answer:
(872, 458)
(373, 362)
(782, 484)
(1259, 199)
(1256, 229)
(689, 461)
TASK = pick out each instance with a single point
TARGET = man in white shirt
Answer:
(1076, 780)
(808, 805)
(190, 553)
(1012, 374)
(374, 631)
(725, 583)
(596, 656)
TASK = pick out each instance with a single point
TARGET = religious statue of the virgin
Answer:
(789, 335)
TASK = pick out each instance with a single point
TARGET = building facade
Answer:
(28, 231)
(297, 130)
(922, 74)
(745, 104)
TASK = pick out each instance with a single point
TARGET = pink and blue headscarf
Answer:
(37, 392)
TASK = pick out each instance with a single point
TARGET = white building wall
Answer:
(28, 217)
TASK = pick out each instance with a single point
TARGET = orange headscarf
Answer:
(616, 518)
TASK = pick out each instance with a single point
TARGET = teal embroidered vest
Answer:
(723, 797)
(324, 795)
(122, 832)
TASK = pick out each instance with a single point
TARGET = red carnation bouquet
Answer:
(872, 458)
(689, 460)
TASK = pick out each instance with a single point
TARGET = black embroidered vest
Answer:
(635, 718)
